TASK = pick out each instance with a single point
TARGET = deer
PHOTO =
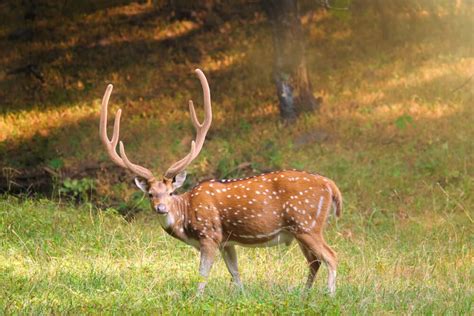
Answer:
(216, 215)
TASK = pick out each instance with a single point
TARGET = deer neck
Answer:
(174, 221)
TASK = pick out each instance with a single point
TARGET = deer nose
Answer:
(161, 208)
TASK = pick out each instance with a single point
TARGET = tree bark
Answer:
(290, 74)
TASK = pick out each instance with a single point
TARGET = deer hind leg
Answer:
(332, 272)
(323, 252)
(230, 258)
(314, 265)
(208, 250)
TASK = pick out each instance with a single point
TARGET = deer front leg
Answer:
(208, 252)
(230, 258)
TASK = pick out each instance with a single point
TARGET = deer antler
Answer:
(177, 167)
(111, 145)
(201, 129)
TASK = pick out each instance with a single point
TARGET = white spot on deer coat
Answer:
(320, 205)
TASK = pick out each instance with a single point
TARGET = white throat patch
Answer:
(166, 220)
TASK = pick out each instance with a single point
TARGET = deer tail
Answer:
(336, 199)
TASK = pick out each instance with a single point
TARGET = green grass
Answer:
(60, 258)
(395, 133)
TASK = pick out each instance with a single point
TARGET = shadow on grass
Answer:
(121, 45)
(73, 71)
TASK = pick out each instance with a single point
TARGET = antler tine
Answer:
(194, 118)
(111, 145)
(139, 170)
(201, 129)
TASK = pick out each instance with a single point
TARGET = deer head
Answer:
(160, 189)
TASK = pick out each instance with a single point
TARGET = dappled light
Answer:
(178, 28)
(414, 108)
(222, 62)
(23, 125)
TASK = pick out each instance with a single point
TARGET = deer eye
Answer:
(150, 195)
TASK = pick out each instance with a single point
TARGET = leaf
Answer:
(56, 163)
(403, 121)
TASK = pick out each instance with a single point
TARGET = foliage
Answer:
(78, 189)
(56, 163)
(403, 121)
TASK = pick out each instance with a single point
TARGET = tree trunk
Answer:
(289, 70)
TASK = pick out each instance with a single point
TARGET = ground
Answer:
(395, 133)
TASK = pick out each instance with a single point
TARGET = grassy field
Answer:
(395, 133)
(68, 259)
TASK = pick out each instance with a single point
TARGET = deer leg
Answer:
(332, 271)
(314, 265)
(208, 252)
(323, 252)
(230, 258)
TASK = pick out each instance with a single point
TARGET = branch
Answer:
(462, 85)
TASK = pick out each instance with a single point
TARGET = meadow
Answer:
(395, 133)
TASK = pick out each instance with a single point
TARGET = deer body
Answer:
(255, 210)
(259, 211)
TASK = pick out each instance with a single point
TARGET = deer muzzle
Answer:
(161, 208)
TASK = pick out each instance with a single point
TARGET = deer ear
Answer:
(179, 179)
(142, 184)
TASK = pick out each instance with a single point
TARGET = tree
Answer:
(289, 71)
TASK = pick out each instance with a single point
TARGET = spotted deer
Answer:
(260, 211)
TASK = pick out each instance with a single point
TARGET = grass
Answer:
(59, 258)
(395, 133)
